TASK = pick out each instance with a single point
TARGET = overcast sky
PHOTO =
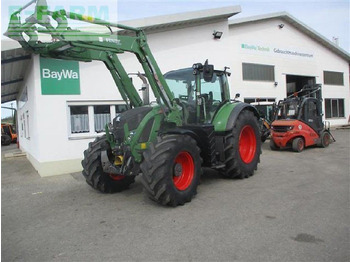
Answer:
(330, 18)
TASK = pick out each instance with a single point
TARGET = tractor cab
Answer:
(298, 122)
(198, 96)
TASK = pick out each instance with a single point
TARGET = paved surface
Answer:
(296, 208)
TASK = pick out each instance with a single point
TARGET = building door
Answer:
(295, 83)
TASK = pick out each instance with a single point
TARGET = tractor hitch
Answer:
(107, 166)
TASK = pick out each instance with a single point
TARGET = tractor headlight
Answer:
(289, 128)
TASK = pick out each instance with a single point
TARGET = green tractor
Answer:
(192, 125)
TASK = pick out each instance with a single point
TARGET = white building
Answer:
(269, 56)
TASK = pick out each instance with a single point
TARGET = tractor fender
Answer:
(204, 137)
(228, 114)
(183, 131)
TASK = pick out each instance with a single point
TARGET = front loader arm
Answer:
(84, 46)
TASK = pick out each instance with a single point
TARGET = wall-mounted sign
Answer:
(277, 50)
(59, 77)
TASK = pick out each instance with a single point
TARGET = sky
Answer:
(330, 18)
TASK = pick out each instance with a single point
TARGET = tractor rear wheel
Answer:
(94, 174)
(242, 147)
(298, 144)
(171, 170)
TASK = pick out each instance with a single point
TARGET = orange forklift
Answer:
(8, 134)
(298, 122)
(8, 131)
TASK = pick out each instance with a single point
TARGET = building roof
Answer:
(14, 60)
(167, 22)
(14, 63)
(298, 25)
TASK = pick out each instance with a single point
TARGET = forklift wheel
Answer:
(298, 144)
(325, 139)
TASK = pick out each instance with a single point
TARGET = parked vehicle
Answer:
(298, 123)
(193, 123)
(9, 130)
(5, 139)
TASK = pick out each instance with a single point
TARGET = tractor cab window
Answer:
(183, 86)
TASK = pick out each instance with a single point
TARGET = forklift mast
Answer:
(72, 44)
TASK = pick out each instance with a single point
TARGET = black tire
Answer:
(238, 165)
(93, 172)
(273, 145)
(298, 144)
(5, 140)
(160, 165)
(325, 139)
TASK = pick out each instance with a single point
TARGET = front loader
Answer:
(192, 124)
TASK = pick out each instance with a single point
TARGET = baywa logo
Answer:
(59, 77)
(63, 74)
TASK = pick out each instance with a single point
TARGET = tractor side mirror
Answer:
(208, 72)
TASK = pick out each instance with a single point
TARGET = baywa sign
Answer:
(59, 77)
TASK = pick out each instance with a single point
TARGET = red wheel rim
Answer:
(247, 144)
(116, 177)
(183, 170)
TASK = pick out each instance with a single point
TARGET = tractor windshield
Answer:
(288, 110)
(183, 86)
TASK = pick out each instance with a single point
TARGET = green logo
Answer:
(59, 77)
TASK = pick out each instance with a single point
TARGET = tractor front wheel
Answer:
(94, 174)
(171, 170)
(242, 147)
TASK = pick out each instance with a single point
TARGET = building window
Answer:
(333, 78)
(334, 108)
(257, 72)
(79, 119)
(91, 119)
(253, 100)
(102, 116)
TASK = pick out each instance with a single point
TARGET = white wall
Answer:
(28, 133)
(268, 34)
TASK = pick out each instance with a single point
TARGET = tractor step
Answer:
(218, 166)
